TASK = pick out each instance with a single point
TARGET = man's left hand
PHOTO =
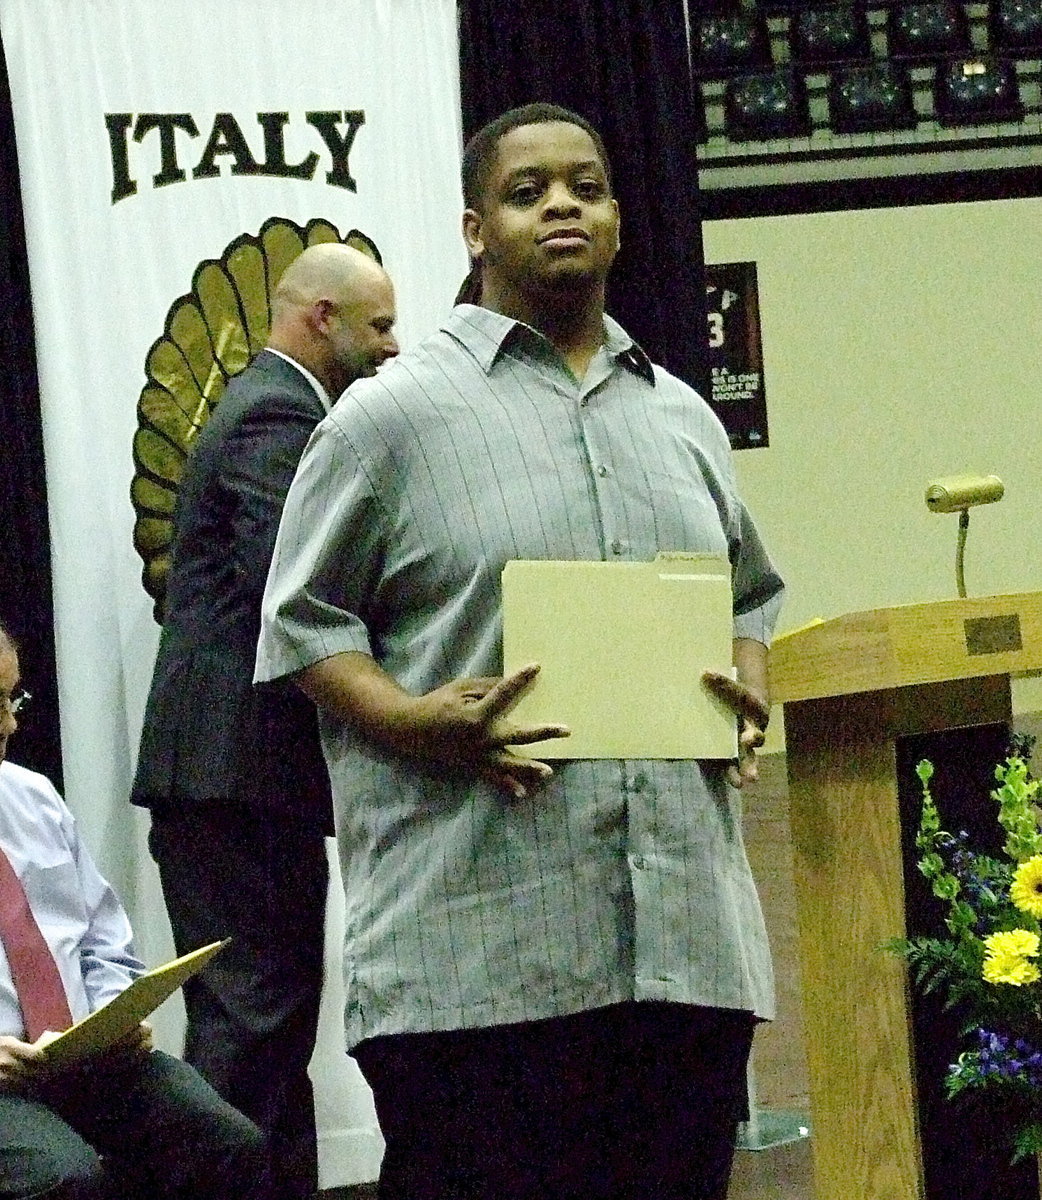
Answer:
(130, 1046)
(123, 1053)
(752, 712)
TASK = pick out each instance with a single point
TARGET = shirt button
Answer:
(639, 862)
(602, 471)
(616, 546)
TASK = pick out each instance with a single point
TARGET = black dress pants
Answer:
(230, 871)
(620, 1103)
(163, 1132)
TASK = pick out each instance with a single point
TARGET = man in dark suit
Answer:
(234, 774)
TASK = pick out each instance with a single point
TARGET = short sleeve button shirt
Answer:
(616, 881)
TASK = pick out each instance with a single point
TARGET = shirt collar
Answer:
(320, 391)
(486, 334)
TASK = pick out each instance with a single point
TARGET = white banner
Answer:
(154, 138)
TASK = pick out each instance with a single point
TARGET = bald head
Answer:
(333, 312)
(326, 271)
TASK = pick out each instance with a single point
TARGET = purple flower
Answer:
(1001, 1057)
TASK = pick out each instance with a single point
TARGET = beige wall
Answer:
(899, 345)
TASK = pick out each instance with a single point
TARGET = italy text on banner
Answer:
(172, 155)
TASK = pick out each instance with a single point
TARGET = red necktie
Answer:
(37, 980)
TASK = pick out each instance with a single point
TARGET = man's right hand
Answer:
(466, 723)
(25, 1063)
(462, 724)
(20, 1063)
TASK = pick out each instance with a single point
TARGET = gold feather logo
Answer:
(210, 335)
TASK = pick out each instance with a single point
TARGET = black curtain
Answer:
(25, 553)
(623, 65)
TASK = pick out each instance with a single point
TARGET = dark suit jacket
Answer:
(209, 733)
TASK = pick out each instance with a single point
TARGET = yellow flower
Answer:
(1006, 957)
(1026, 888)
(1017, 942)
(1008, 969)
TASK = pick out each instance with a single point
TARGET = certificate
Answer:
(126, 1011)
(622, 648)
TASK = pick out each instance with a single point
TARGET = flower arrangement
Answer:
(989, 966)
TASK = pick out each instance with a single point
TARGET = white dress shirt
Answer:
(79, 916)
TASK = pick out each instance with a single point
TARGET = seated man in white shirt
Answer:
(130, 1122)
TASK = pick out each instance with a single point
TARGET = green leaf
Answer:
(946, 887)
(898, 946)
(1028, 1141)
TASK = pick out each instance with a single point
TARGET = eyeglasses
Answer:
(16, 702)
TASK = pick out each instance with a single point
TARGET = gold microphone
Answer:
(956, 492)
(959, 493)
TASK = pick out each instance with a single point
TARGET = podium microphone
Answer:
(959, 493)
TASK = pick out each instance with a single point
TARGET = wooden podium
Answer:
(852, 688)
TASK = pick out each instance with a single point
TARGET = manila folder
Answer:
(622, 648)
(126, 1011)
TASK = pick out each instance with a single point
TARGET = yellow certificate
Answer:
(622, 648)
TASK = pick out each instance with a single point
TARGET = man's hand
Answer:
(466, 724)
(131, 1046)
(20, 1063)
(752, 712)
(24, 1063)
(463, 724)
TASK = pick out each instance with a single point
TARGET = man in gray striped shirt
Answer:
(552, 977)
